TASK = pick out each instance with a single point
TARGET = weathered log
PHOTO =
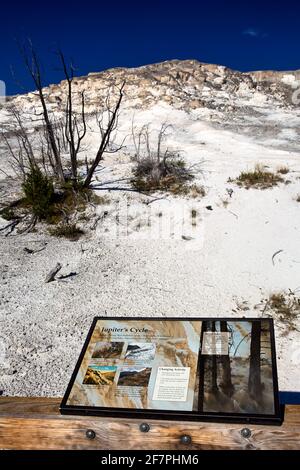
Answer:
(51, 275)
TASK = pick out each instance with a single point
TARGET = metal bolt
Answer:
(185, 439)
(246, 433)
(90, 434)
(144, 427)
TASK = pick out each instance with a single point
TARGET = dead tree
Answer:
(214, 364)
(140, 138)
(60, 131)
(155, 161)
(18, 144)
(150, 157)
(15, 155)
(74, 132)
(144, 148)
(22, 135)
(106, 133)
(226, 382)
(254, 381)
(26, 150)
(73, 123)
(33, 66)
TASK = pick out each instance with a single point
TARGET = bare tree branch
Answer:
(33, 66)
(106, 135)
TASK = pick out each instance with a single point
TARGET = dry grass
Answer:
(165, 173)
(146, 185)
(99, 200)
(66, 204)
(283, 170)
(285, 309)
(259, 178)
(162, 174)
(171, 184)
(69, 202)
(70, 231)
(195, 191)
(16, 210)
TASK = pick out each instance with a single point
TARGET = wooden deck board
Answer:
(36, 423)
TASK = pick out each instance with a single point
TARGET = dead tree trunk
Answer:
(74, 132)
(214, 372)
(32, 64)
(226, 383)
(52, 141)
(254, 381)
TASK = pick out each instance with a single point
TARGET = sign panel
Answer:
(204, 369)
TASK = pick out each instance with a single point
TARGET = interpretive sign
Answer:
(175, 368)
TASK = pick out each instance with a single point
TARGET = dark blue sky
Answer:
(244, 35)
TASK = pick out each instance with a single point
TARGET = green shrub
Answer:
(39, 192)
(7, 213)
